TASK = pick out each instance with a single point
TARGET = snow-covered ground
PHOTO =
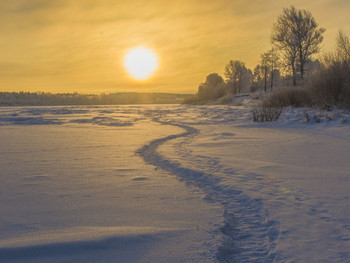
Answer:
(172, 183)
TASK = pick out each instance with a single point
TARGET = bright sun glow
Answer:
(140, 62)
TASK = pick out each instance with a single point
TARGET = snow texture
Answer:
(172, 183)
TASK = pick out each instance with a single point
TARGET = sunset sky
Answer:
(78, 46)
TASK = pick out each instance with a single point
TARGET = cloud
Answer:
(78, 44)
(25, 7)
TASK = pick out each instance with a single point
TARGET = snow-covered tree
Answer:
(343, 47)
(238, 77)
(212, 88)
(298, 36)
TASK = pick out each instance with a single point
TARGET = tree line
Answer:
(50, 99)
(296, 37)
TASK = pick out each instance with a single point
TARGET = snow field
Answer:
(172, 183)
(76, 191)
(284, 186)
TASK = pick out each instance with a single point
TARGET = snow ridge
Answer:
(77, 243)
(249, 236)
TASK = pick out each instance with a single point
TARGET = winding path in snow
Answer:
(249, 235)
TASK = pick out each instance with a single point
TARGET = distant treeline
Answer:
(50, 99)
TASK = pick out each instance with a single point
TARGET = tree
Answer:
(272, 60)
(298, 36)
(212, 88)
(265, 67)
(343, 47)
(238, 77)
(258, 77)
(267, 71)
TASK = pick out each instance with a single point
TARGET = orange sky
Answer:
(78, 46)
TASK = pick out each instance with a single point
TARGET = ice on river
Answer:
(172, 183)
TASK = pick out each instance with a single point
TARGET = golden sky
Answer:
(78, 45)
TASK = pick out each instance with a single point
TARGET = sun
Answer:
(140, 62)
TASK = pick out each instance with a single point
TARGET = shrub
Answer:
(267, 113)
(227, 99)
(306, 115)
(331, 85)
(318, 117)
(344, 120)
(293, 97)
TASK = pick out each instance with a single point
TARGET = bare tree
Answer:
(265, 69)
(268, 68)
(298, 36)
(273, 63)
(238, 77)
(343, 47)
(258, 76)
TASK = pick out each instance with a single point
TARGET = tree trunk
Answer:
(294, 80)
(294, 74)
(302, 65)
(272, 76)
(302, 62)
